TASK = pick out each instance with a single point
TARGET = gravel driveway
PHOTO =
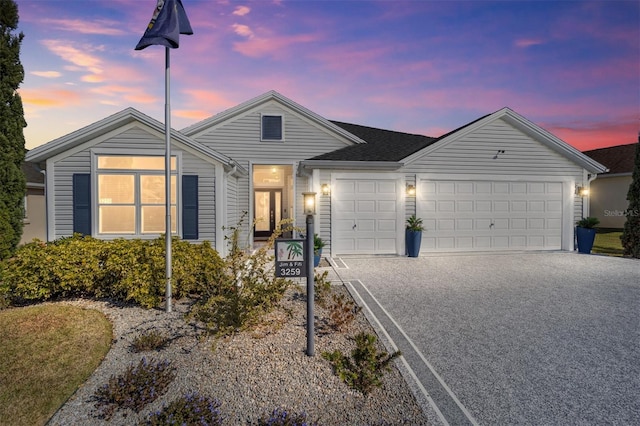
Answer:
(527, 338)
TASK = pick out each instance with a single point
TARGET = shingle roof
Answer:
(619, 159)
(32, 172)
(382, 145)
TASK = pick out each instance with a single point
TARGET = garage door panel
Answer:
(371, 205)
(387, 206)
(368, 206)
(490, 215)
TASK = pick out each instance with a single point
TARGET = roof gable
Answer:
(519, 122)
(619, 159)
(120, 120)
(197, 129)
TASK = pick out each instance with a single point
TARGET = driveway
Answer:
(527, 338)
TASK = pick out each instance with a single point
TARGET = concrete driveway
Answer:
(527, 338)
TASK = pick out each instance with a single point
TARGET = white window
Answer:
(272, 129)
(131, 195)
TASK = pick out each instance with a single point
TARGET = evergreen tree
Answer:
(12, 123)
(631, 234)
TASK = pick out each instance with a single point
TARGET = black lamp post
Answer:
(310, 211)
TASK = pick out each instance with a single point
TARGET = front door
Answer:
(268, 211)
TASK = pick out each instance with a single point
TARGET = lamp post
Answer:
(310, 211)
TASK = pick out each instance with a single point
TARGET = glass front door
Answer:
(268, 211)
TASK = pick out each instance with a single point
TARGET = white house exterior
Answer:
(498, 183)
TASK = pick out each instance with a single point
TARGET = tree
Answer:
(12, 123)
(631, 234)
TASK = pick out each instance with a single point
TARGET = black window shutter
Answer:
(272, 127)
(82, 203)
(190, 207)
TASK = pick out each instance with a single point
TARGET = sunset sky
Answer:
(572, 67)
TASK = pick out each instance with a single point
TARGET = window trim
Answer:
(95, 205)
(282, 136)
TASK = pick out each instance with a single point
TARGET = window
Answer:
(272, 128)
(131, 195)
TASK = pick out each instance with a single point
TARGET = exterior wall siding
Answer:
(523, 156)
(608, 200)
(133, 140)
(239, 139)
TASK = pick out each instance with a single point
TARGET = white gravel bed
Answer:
(251, 373)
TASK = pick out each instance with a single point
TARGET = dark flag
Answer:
(169, 20)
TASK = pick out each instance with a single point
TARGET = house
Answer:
(608, 194)
(34, 222)
(497, 183)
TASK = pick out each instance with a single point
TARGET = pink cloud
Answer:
(49, 97)
(46, 74)
(241, 10)
(98, 26)
(527, 42)
(79, 56)
(243, 30)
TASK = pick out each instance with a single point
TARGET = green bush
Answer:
(364, 369)
(150, 341)
(128, 270)
(243, 290)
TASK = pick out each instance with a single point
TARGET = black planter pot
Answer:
(413, 240)
(586, 237)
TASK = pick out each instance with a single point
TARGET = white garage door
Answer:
(365, 216)
(491, 215)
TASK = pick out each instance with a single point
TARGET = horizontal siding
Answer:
(63, 189)
(207, 224)
(240, 139)
(133, 140)
(474, 154)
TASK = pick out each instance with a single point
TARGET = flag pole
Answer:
(167, 175)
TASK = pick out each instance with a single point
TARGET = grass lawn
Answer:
(608, 242)
(47, 351)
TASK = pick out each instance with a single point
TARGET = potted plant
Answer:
(586, 233)
(317, 249)
(413, 235)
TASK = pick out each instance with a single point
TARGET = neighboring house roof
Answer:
(619, 159)
(115, 122)
(33, 174)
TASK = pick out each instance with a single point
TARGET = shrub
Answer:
(342, 312)
(321, 288)
(137, 387)
(190, 409)
(128, 270)
(245, 289)
(151, 341)
(282, 417)
(364, 369)
(63, 268)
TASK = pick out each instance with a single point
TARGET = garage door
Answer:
(491, 215)
(365, 216)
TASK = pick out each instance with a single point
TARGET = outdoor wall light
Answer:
(309, 203)
(582, 191)
(411, 190)
(326, 189)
